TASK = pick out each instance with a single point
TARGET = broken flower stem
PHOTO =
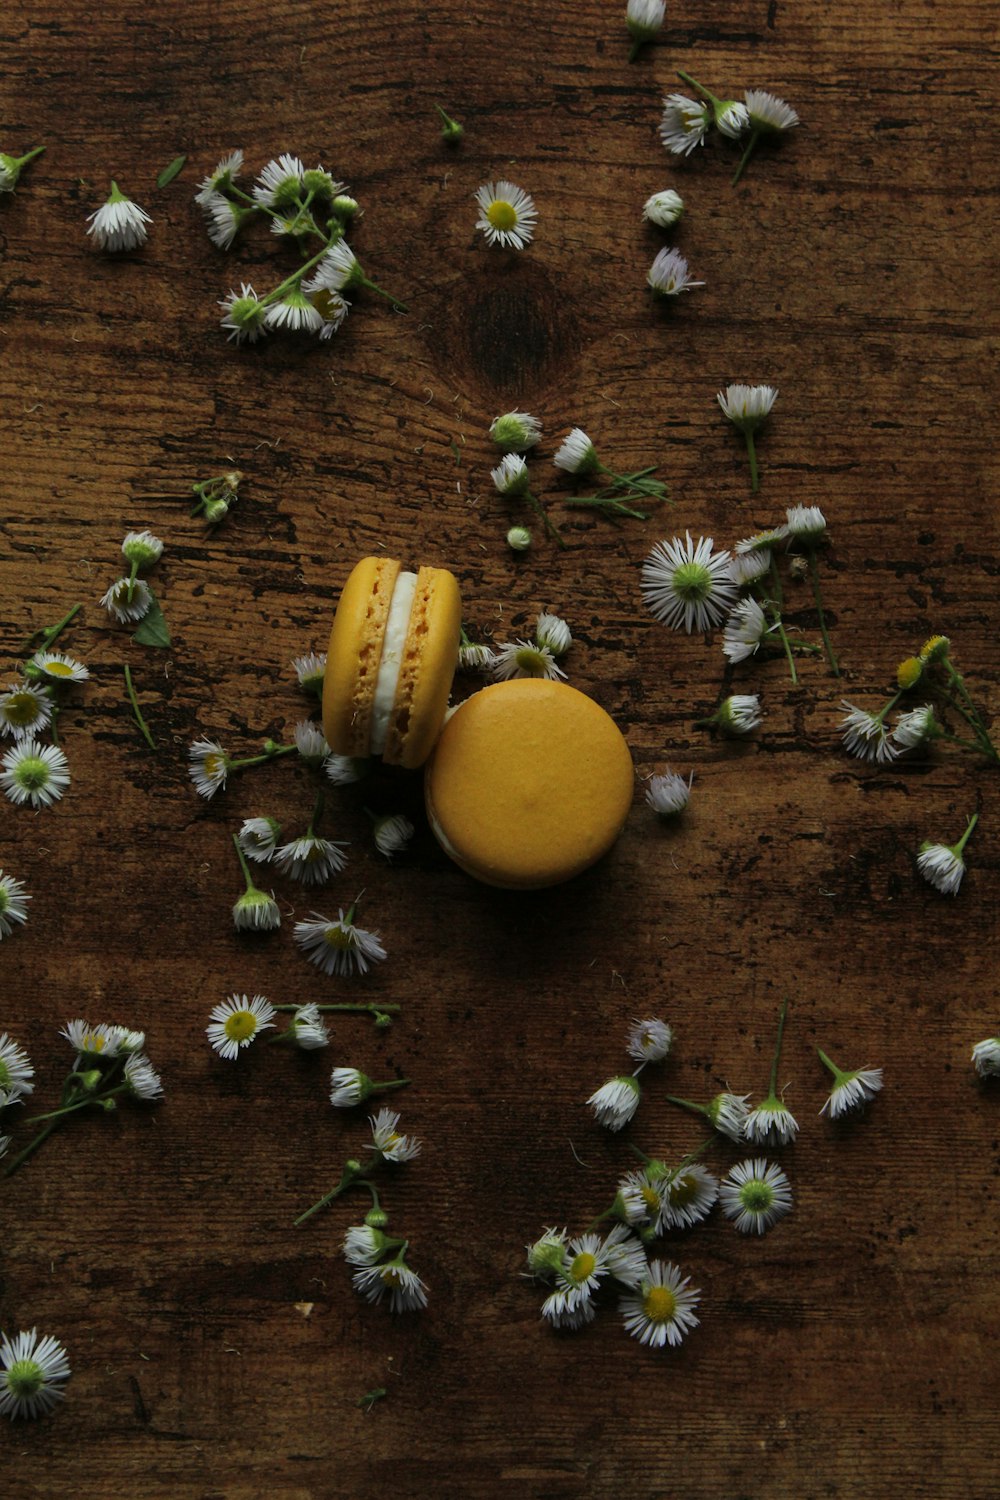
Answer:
(144, 727)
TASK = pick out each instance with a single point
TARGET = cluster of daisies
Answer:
(109, 1064)
(308, 210)
(538, 657)
(686, 123)
(130, 598)
(657, 1301)
(35, 773)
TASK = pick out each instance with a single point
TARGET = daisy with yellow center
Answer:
(237, 1022)
(507, 214)
(661, 1310)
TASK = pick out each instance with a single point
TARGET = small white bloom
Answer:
(25, 710)
(56, 667)
(739, 713)
(127, 1041)
(222, 178)
(553, 633)
(625, 1257)
(767, 113)
(475, 657)
(388, 1141)
(519, 539)
(589, 1259)
(615, 1102)
(515, 431)
(510, 475)
(13, 905)
(762, 540)
(668, 275)
(746, 406)
(685, 124)
(668, 794)
(852, 1090)
(644, 18)
(333, 309)
(547, 1254)
(32, 1371)
(338, 269)
(745, 628)
(942, 867)
(507, 214)
(311, 742)
(747, 567)
(642, 1199)
(100, 1041)
(243, 315)
(916, 727)
(256, 911)
(727, 1114)
(280, 182)
(34, 773)
(363, 1246)
(663, 208)
(393, 834)
(338, 947)
(770, 1123)
(258, 838)
(522, 659)
(237, 1022)
(688, 1196)
(119, 224)
(867, 735)
(344, 770)
(141, 1078)
(142, 548)
(805, 522)
(732, 119)
(311, 859)
(128, 600)
(986, 1057)
(309, 1030)
(406, 1291)
(208, 766)
(649, 1040)
(348, 1086)
(310, 671)
(661, 1310)
(686, 585)
(223, 219)
(568, 1308)
(756, 1193)
(576, 454)
(295, 312)
(16, 1071)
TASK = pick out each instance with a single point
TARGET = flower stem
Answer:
(147, 736)
(542, 514)
(393, 1083)
(348, 1179)
(243, 864)
(751, 143)
(827, 643)
(752, 455)
(700, 90)
(51, 633)
(373, 287)
(697, 1109)
(271, 753)
(957, 851)
(827, 1063)
(32, 1146)
(22, 161)
(777, 1049)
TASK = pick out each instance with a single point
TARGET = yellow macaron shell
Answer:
(426, 670)
(354, 654)
(530, 783)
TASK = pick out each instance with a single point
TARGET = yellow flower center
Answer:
(337, 937)
(214, 764)
(659, 1304)
(240, 1025)
(502, 215)
(58, 669)
(93, 1042)
(908, 672)
(583, 1266)
(391, 1276)
(22, 708)
(324, 303)
(683, 1190)
(650, 1198)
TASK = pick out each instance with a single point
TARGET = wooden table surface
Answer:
(217, 1352)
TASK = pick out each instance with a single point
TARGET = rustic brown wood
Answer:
(852, 1352)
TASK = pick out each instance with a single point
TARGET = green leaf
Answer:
(153, 630)
(169, 173)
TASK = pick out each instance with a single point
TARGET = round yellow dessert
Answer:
(530, 783)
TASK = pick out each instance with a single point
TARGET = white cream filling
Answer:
(396, 627)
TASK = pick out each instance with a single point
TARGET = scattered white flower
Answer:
(523, 659)
(547, 1254)
(16, 1071)
(568, 1308)
(576, 454)
(615, 1102)
(686, 585)
(13, 906)
(311, 742)
(942, 867)
(34, 773)
(119, 224)
(309, 1030)
(644, 18)
(668, 275)
(56, 667)
(142, 549)
(866, 735)
(668, 793)
(986, 1057)
(756, 1193)
(747, 405)
(364, 1245)
(688, 1196)
(515, 431)
(475, 657)
(208, 766)
(805, 522)
(141, 1079)
(223, 219)
(388, 1141)
(661, 1309)
(747, 567)
(256, 911)
(738, 714)
(99, 1041)
(510, 475)
(641, 1198)
(338, 947)
(344, 770)
(916, 727)
(237, 1022)
(649, 1040)
(745, 629)
(727, 1114)
(339, 270)
(222, 178)
(663, 209)
(589, 1259)
(767, 113)
(553, 633)
(507, 214)
(519, 539)
(280, 182)
(850, 1090)
(393, 834)
(685, 124)
(32, 1372)
(311, 859)
(732, 118)
(770, 1123)
(349, 1086)
(25, 710)
(258, 838)
(395, 1279)
(295, 312)
(243, 315)
(128, 600)
(310, 671)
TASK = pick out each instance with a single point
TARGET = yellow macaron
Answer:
(391, 660)
(530, 783)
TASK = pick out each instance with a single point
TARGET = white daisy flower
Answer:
(626, 1258)
(616, 1101)
(310, 672)
(850, 1090)
(295, 312)
(127, 1041)
(388, 1141)
(689, 1194)
(866, 735)
(942, 866)
(333, 309)
(25, 710)
(649, 1040)
(338, 270)
(222, 178)
(663, 209)
(243, 315)
(523, 659)
(34, 773)
(745, 629)
(256, 911)
(100, 1041)
(576, 454)
(32, 1371)
(349, 1086)
(311, 859)
(474, 657)
(739, 713)
(747, 405)
(338, 947)
(404, 1288)
(364, 1245)
(770, 1123)
(519, 539)
(393, 833)
(755, 1193)
(119, 224)
(547, 1254)
(747, 567)
(16, 1071)
(732, 118)
(805, 522)
(553, 633)
(916, 727)
(986, 1057)
(668, 275)
(56, 666)
(768, 113)
(642, 1199)
(208, 766)
(568, 1309)
(11, 168)
(686, 585)
(510, 475)
(762, 540)
(644, 18)
(223, 220)
(661, 1310)
(507, 214)
(515, 431)
(13, 904)
(311, 742)
(237, 1022)
(668, 793)
(141, 1078)
(142, 549)
(589, 1259)
(344, 770)
(685, 124)
(280, 182)
(258, 838)
(727, 1114)
(309, 1030)
(128, 600)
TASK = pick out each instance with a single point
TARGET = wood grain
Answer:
(852, 1351)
